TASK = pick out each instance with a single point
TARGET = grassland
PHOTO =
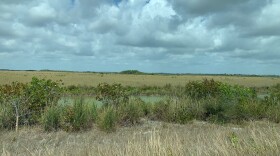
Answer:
(149, 139)
(93, 79)
(197, 118)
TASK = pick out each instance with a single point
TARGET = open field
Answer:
(148, 139)
(93, 79)
(200, 118)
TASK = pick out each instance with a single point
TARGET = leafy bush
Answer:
(27, 102)
(246, 110)
(14, 104)
(215, 110)
(114, 94)
(41, 94)
(214, 89)
(7, 117)
(236, 92)
(206, 88)
(107, 119)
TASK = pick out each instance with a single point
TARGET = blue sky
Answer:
(174, 36)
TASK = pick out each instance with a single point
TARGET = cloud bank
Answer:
(175, 36)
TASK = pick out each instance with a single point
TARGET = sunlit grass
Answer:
(150, 138)
(93, 79)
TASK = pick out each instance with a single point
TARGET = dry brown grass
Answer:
(92, 79)
(151, 138)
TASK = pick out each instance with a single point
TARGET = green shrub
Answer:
(114, 94)
(214, 89)
(181, 114)
(14, 104)
(215, 110)
(202, 89)
(274, 97)
(272, 104)
(28, 101)
(51, 118)
(273, 113)
(229, 92)
(195, 108)
(178, 110)
(163, 110)
(275, 92)
(7, 117)
(184, 110)
(41, 93)
(107, 119)
(131, 112)
(246, 110)
(78, 117)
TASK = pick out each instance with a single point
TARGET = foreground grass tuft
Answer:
(107, 119)
(51, 118)
(151, 138)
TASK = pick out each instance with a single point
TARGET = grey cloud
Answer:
(162, 35)
(202, 7)
(42, 14)
(6, 30)
(13, 2)
(263, 31)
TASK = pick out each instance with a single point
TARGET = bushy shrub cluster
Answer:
(215, 89)
(208, 100)
(130, 113)
(26, 102)
(210, 109)
(41, 94)
(76, 117)
(114, 94)
(81, 116)
(272, 103)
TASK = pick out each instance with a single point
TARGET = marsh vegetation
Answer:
(239, 120)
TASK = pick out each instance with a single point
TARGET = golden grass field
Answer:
(149, 139)
(93, 79)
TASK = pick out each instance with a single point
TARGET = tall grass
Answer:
(76, 117)
(107, 119)
(51, 118)
(80, 116)
(253, 138)
(131, 112)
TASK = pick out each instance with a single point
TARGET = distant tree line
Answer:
(131, 72)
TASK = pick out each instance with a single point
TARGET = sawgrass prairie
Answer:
(93, 79)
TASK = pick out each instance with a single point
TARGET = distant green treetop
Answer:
(131, 72)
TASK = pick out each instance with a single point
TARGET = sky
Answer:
(160, 36)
